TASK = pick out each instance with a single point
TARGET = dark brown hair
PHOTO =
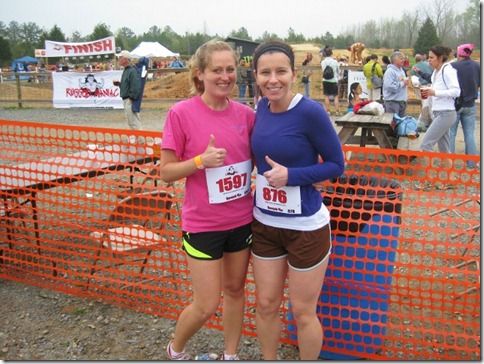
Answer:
(441, 51)
(273, 46)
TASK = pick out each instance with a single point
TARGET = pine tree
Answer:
(427, 38)
(5, 52)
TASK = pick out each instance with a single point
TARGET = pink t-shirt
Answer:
(187, 130)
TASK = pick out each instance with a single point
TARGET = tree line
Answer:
(452, 27)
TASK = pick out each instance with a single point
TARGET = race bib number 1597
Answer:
(228, 182)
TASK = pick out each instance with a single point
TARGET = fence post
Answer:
(19, 90)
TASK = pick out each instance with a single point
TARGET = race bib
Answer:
(228, 183)
(286, 200)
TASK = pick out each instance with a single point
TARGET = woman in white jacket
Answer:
(445, 88)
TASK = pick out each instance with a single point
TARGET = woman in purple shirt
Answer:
(291, 231)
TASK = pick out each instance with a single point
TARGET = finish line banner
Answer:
(60, 49)
(78, 89)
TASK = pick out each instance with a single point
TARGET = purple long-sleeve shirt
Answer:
(295, 138)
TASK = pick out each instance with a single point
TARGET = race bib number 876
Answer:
(286, 200)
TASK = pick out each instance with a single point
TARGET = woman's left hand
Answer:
(277, 176)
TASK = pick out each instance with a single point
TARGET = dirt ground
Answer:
(39, 324)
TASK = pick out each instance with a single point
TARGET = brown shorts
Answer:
(304, 249)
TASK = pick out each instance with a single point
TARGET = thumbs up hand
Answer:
(213, 156)
(277, 176)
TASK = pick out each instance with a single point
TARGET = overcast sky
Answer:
(309, 17)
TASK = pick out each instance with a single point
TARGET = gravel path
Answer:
(152, 119)
(39, 324)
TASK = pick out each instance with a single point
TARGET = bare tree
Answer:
(411, 21)
(442, 14)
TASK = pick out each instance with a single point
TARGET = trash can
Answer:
(365, 226)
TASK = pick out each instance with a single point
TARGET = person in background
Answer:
(421, 67)
(469, 75)
(142, 69)
(291, 238)
(370, 69)
(386, 62)
(176, 63)
(355, 95)
(251, 86)
(356, 53)
(343, 77)
(445, 88)
(423, 72)
(206, 141)
(395, 86)
(323, 52)
(129, 89)
(242, 78)
(330, 85)
(306, 74)
(406, 63)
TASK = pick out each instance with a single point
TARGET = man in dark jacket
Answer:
(129, 89)
(469, 75)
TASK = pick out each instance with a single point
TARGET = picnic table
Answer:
(375, 129)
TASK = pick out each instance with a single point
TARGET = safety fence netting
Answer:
(84, 212)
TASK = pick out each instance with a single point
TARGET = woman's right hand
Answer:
(213, 156)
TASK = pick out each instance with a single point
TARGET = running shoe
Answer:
(179, 356)
(230, 357)
(207, 356)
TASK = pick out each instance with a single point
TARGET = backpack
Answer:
(404, 126)
(328, 73)
(376, 81)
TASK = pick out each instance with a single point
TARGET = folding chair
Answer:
(136, 225)
(150, 174)
(12, 213)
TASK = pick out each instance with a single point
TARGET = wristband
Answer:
(198, 162)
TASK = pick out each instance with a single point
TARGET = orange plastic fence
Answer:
(84, 213)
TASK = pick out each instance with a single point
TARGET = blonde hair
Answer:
(201, 59)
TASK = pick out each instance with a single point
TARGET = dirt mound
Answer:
(174, 85)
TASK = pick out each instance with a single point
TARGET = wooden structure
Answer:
(375, 129)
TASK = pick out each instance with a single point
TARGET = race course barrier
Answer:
(84, 212)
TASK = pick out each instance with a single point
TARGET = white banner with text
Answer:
(80, 89)
(60, 49)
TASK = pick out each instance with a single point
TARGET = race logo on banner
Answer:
(60, 49)
(76, 89)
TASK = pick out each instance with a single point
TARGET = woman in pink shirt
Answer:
(206, 139)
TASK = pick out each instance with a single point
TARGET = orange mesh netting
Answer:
(84, 212)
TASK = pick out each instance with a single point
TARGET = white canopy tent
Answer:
(152, 49)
